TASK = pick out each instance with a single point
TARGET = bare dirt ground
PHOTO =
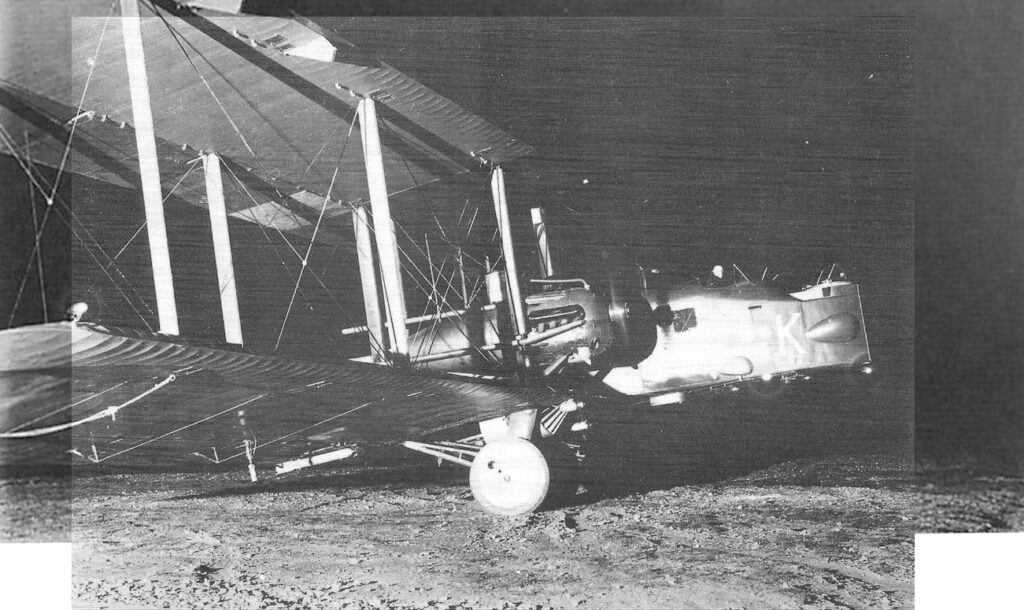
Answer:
(833, 532)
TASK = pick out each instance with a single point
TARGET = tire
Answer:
(510, 477)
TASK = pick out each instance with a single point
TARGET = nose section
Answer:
(633, 325)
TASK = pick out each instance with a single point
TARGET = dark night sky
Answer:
(788, 143)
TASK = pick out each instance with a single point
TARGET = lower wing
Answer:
(131, 397)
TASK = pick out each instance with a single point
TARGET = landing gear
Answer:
(566, 472)
(510, 476)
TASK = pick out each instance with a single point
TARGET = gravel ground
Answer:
(35, 508)
(832, 532)
(965, 498)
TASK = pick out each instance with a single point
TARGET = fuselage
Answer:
(713, 335)
(681, 337)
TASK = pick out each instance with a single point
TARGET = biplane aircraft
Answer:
(245, 97)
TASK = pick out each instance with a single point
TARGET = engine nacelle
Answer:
(615, 331)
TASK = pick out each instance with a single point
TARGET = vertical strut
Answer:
(462, 276)
(540, 231)
(142, 116)
(222, 249)
(368, 279)
(507, 251)
(384, 229)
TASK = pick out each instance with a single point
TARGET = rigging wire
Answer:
(319, 423)
(450, 283)
(177, 39)
(89, 251)
(312, 240)
(327, 141)
(341, 157)
(38, 234)
(431, 334)
(305, 259)
(65, 407)
(436, 321)
(185, 427)
(192, 165)
(238, 182)
(280, 258)
(35, 181)
(110, 412)
(413, 265)
(334, 250)
(34, 256)
(81, 102)
(444, 236)
(61, 204)
(8, 139)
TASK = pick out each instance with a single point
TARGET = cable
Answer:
(85, 89)
(110, 412)
(305, 259)
(175, 431)
(66, 407)
(38, 234)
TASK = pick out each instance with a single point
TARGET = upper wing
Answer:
(105, 149)
(124, 393)
(271, 96)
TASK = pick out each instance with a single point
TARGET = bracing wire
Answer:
(61, 204)
(66, 407)
(409, 260)
(8, 139)
(316, 276)
(305, 259)
(110, 412)
(444, 236)
(185, 427)
(34, 256)
(177, 39)
(192, 165)
(416, 184)
(38, 234)
(35, 181)
(293, 433)
(81, 102)
(52, 195)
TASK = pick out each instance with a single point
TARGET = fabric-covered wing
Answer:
(106, 150)
(271, 96)
(208, 400)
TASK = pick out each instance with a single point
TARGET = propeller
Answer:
(632, 320)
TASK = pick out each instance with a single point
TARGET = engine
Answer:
(615, 331)
(572, 325)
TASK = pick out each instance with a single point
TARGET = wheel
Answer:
(564, 471)
(509, 477)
